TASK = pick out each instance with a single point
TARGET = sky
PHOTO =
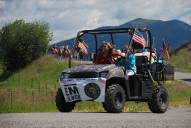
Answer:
(67, 17)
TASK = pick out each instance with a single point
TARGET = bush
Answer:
(21, 43)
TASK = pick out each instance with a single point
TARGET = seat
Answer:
(140, 60)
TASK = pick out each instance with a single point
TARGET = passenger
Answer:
(105, 55)
(118, 54)
(129, 62)
(165, 55)
(124, 49)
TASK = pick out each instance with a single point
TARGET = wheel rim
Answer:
(163, 99)
(118, 99)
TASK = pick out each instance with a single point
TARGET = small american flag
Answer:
(81, 45)
(165, 52)
(138, 37)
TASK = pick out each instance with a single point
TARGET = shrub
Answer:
(21, 43)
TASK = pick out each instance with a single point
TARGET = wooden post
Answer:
(32, 83)
(33, 97)
(11, 98)
(46, 89)
(39, 88)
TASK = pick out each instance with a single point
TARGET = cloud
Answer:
(186, 18)
(66, 17)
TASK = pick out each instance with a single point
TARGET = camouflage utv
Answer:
(106, 83)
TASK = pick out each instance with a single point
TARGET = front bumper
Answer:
(74, 89)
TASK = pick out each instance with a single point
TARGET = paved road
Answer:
(185, 77)
(173, 118)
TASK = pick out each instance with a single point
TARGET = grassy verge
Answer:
(180, 94)
(42, 100)
(27, 100)
(181, 61)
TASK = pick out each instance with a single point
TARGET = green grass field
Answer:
(33, 89)
(182, 59)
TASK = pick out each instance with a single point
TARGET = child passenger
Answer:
(129, 62)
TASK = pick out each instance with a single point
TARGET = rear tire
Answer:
(61, 104)
(159, 102)
(114, 99)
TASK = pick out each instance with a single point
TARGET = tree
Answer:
(21, 43)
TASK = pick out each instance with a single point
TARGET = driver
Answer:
(105, 55)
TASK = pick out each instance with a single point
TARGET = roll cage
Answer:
(111, 32)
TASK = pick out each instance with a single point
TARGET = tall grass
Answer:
(179, 94)
(27, 100)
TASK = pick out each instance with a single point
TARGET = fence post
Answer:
(39, 88)
(55, 86)
(33, 96)
(11, 93)
(46, 89)
(53, 97)
(32, 83)
(19, 78)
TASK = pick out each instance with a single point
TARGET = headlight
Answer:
(92, 90)
(103, 74)
(64, 76)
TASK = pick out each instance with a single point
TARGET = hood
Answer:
(91, 68)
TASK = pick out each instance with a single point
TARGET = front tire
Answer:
(61, 104)
(114, 99)
(159, 102)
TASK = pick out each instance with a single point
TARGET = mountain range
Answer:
(173, 32)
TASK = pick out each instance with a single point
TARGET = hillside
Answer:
(181, 57)
(173, 32)
(45, 70)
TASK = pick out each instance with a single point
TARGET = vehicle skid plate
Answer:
(74, 89)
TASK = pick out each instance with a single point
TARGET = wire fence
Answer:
(13, 100)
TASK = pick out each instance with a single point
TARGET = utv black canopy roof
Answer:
(110, 31)
(129, 31)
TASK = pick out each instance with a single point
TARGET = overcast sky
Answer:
(66, 17)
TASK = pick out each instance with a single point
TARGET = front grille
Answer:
(84, 75)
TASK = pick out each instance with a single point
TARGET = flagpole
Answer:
(147, 40)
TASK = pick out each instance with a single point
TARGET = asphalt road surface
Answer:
(185, 77)
(173, 118)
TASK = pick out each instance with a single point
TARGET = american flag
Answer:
(165, 52)
(138, 37)
(81, 46)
